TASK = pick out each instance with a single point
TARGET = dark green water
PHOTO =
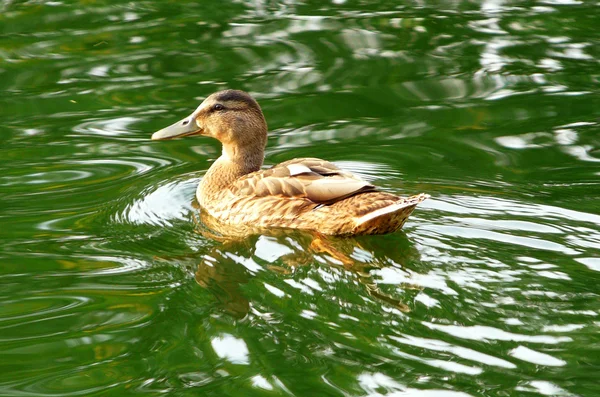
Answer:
(491, 289)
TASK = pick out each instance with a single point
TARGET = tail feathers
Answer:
(388, 219)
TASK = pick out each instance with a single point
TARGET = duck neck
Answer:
(234, 163)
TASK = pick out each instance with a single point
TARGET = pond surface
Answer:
(491, 289)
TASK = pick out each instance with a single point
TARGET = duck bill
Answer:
(185, 127)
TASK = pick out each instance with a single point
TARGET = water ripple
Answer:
(161, 206)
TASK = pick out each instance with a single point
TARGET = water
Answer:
(491, 289)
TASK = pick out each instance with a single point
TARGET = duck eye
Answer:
(218, 106)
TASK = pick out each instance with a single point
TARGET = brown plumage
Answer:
(306, 193)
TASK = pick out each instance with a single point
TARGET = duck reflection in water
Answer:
(231, 263)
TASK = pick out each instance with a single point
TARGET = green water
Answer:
(491, 289)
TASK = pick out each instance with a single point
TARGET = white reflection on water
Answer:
(260, 382)
(563, 137)
(591, 263)
(543, 387)
(474, 233)
(49, 177)
(485, 333)
(372, 383)
(450, 366)
(463, 352)
(231, 349)
(268, 249)
(535, 357)
(483, 205)
(433, 280)
(275, 291)
(107, 127)
(162, 206)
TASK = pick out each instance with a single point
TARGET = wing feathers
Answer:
(330, 189)
(297, 169)
(311, 179)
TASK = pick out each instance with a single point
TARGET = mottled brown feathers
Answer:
(309, 194)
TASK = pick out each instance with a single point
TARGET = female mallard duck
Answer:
(306, 193)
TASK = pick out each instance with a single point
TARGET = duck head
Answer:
(233, 117)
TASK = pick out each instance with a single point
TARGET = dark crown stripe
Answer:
(237, 96)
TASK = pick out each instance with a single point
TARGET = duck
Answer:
(310, 194)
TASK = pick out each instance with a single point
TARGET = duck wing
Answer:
(307, 178)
